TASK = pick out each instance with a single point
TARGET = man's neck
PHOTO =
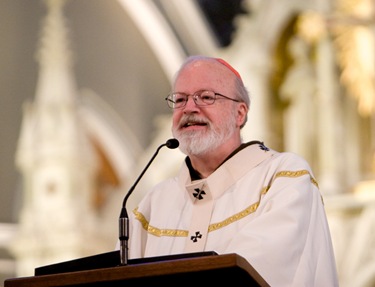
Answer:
(205, 164)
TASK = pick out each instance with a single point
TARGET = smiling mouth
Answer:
(190, 124)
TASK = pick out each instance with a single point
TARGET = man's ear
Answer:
(242, 114)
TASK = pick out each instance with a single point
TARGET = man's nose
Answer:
(190, 102)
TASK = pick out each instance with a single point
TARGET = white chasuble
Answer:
(260, 204)
(203, 194)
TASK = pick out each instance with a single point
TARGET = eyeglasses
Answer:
(201, 98)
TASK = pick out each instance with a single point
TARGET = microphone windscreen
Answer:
(172, 143)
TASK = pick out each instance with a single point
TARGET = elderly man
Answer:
(230, 196)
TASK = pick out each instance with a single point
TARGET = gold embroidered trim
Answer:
(264, 190)
(297, 174)
(156, 231)
(215, 226)
(184, 233)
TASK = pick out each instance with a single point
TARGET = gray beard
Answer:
(199, 143)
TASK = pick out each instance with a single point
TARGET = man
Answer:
(233, 197)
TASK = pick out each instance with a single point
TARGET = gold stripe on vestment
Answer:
(215, 226)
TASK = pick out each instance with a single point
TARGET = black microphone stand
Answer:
(124, 218)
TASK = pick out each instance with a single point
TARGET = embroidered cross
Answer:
(195, 237)
(263, 147)
(199, 193)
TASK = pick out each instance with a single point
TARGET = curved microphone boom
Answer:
(124, 219)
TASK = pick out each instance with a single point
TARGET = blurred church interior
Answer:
(83, 84)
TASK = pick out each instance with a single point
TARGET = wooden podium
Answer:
(193, 271)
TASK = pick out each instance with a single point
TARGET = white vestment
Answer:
(260, 204)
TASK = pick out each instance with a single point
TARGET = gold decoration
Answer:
(311, 26)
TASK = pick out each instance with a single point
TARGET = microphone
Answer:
(124, 219)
